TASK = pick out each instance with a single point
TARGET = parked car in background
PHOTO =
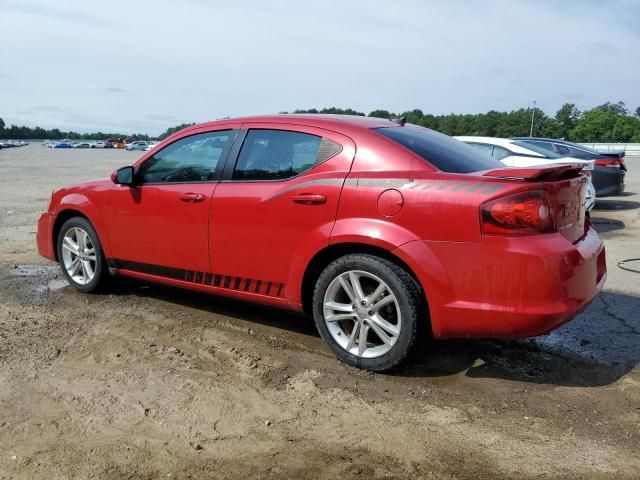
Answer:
(609, 167)
(115, 143)
(82, 145)
(63, 144)
(151, 145)
(377, 228)
(98, 144)
(137, 145)
(12, 143)
(514, 153)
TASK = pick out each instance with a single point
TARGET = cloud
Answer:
(114, 90)
(571, 96)
(49, 12)
(375, 54)
(162, 117)
(49, 108)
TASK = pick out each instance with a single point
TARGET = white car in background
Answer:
(515, 153)
(99, 144)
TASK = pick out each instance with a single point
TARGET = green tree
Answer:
(565, 119)
(380, 114)
(606, 123)
(617, 108)
(172, 130)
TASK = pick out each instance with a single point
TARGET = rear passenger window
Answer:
(280, 154)
(499, 153)
(561, 149)
(482, 147)
(546, 145)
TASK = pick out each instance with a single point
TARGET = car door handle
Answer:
(309, 198)
(191, 197)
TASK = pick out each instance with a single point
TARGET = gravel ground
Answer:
(153, 382)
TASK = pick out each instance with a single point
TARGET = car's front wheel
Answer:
(80, 255)
(367, 309)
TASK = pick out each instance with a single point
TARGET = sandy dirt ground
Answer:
(153, 382)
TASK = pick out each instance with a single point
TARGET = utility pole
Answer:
(533, 112)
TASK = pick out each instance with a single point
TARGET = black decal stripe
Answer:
(204, 278)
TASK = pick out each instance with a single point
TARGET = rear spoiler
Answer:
(543, 172)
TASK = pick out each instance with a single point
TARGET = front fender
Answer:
(95, 211)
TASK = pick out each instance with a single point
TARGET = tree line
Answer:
(15, 132)
(609, 122)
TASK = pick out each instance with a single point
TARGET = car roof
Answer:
(317, 120)
(542, 139)
(507, 143)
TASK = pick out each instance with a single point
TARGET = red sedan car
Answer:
(371, 225)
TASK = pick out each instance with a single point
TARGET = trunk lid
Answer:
(567, 205)
(566, 189)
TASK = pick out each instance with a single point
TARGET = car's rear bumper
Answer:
(507, 287)
(608, 181)
(44, 236)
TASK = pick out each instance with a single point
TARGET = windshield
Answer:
(443, 152)
(536, 148)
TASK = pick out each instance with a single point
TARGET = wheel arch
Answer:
(62, 217)
(334, 251)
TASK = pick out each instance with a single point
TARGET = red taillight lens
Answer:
(609, 162)
(521, 214)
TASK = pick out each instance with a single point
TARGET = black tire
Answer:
(408, 295)
(101, 276)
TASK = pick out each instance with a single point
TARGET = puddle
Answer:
(52, 286)
(34, 270)
(40, 278)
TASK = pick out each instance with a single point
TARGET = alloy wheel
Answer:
(79, 255)
(362, 314)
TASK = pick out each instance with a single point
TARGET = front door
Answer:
(279, 198)
(163, 221)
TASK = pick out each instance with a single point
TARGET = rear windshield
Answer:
(441, 151)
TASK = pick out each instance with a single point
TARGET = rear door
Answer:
(278, 199)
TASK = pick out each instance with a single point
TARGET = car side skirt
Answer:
(255, 290)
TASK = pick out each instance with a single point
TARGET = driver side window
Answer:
(188, 160)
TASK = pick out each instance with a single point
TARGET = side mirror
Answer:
(123, 176)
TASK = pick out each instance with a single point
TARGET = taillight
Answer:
(609, 162)
(525, 213)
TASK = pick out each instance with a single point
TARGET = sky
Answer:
(142, 66)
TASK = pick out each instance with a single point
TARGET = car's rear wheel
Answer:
(367, 309)
(80, 255)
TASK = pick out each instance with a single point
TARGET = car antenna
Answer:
(400, 121)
